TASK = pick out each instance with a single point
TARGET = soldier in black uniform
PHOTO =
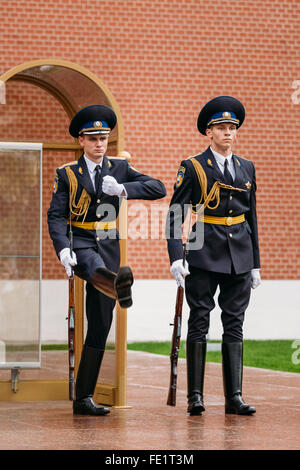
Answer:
(88, 191)
(221, 187)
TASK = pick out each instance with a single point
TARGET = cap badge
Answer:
(226, 114)
(98, 124)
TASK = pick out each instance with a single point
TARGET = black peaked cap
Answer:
(220, 104)
(95, 112)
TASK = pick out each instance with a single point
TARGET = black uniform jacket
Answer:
(137, 185)
(223, 245)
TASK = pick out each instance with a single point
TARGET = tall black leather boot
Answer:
(232, 363)
(86, 380)
(195, 355)
(116, 286)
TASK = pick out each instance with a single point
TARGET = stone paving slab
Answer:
(148, 423)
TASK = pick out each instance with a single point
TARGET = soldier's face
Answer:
(94, 146)
(222, 136)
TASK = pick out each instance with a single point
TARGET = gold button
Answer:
(230, 197)
(98, 239)
(98, 215)
(230, 235)
(98, 201)
(230, 212)
(229, 220)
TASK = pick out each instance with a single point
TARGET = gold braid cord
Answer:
(80, 208)
(214, 193)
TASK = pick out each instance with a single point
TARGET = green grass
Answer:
(64, 347)
(54, 347)
(269, 354)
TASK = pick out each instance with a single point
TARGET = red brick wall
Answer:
(162, 60)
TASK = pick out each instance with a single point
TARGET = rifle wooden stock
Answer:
(175, 347)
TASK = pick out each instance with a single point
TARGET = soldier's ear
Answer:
(208, 132)
(81, 140)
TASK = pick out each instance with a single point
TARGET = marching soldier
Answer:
(221, 188)
(87, 194)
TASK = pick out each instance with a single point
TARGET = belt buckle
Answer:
(229, 221)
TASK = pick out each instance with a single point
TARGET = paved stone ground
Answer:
(150, 424)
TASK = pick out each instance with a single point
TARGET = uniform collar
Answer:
(220, 158)
(92, 165)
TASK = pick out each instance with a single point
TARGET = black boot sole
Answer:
(196, 411)
(91, 413)
(96, 411)
(236, 406)
(232, 411)
(123, 283)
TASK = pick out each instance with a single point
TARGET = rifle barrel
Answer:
(171, 401)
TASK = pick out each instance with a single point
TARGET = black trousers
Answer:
(99, 308)
(200, 288)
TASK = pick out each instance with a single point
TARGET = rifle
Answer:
(71, 323)
(176, 340)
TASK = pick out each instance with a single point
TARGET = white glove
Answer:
(111, 187)
(179, 271)
(255, 278)
(67, 261)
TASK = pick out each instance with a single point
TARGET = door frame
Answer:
(38, 390)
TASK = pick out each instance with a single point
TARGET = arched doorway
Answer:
(72, 87)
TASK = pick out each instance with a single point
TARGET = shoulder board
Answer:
(241, 160)
(121, 159)
(113, 159)
(237, 160)
(68, 164)
(197, 155)
(201, 159)
(133, 168)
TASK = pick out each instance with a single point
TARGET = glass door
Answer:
(20, 255)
